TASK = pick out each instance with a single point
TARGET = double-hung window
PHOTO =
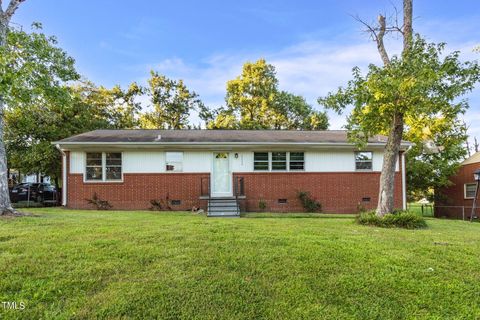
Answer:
(363, 160)
(260, 161)
(103, 166)
(470, 189)
(279, 161)
(297, 161)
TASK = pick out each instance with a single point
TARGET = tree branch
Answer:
(12, 7)
(407, 25)
(380, 43)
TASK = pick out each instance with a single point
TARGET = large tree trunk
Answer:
(5, 204)
(386, 199)
(386, 194)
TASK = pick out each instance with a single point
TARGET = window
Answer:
(103, 166)
(260, 161)
(363, 160)
(113, 168)
(470, 189)
(279, 161)
(174, 161)
(297, 161)
(94, 170)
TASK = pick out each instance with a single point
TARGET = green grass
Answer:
(109, 265)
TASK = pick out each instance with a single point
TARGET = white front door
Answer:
(221, 180)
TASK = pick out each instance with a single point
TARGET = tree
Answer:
(418, 86)
(32, 68)
(31, 128)
(254, 102)
(172, 103)
(428, 169)
(119, 107)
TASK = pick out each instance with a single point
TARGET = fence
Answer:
(425, 210)
(456, 212)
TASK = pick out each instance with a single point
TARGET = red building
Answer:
(225, 171)
(456, 201)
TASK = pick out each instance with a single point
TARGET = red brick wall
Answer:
(451, 199)
(337, 192)
(136, 190)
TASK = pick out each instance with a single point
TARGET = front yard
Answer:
(90, 264)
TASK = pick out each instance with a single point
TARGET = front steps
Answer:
(223, 207)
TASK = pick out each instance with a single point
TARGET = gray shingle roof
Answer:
(214, 136)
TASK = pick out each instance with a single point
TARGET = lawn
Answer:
(88, 264)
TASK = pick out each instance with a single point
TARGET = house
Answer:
(225, 170)
(456, 200)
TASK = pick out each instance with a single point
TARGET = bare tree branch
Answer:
(407, 25)
(12, 7)
(380, 43)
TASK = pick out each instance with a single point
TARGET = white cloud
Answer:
(311, 69)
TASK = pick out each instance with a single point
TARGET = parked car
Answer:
(38, 192)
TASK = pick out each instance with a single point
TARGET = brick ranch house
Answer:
(456, 200)
(224, 171)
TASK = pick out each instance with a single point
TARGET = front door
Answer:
(221, 182)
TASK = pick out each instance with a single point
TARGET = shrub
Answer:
(99, 203)
(399, 219)
(308, 202)
(262, 205)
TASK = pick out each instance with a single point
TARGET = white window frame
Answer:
(288, 160)
(182, 162)
(269, 157)
(465, 190)
(104, 168)
(270, 163)
(355, 161)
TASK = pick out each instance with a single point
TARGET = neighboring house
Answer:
(456, 201)
(213, 169)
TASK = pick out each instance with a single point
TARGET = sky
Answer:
(313, 44)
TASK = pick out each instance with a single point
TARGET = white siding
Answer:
(197, 161)
(244, 162)
(338, 161)
(143, 162)
(201, 161)
(77, 162)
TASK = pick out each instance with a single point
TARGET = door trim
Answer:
(212, 179)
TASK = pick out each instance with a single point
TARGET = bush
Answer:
(309, 203)
(399, 219)
(262, 205)
(99, 203)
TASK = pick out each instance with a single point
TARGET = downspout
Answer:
(64, 175)
(404, 180)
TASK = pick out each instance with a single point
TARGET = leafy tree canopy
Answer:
(424, 85)
(172, 104)
(255, 102)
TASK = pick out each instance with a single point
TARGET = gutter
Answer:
(64, 175)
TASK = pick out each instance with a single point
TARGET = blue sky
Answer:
(313, 44)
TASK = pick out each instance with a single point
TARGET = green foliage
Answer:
(401, 219)
(172, 102)
(255, 102)
(424, 85)
(308, 202)
(262, 205)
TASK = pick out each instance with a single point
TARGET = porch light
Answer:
(476, 175)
